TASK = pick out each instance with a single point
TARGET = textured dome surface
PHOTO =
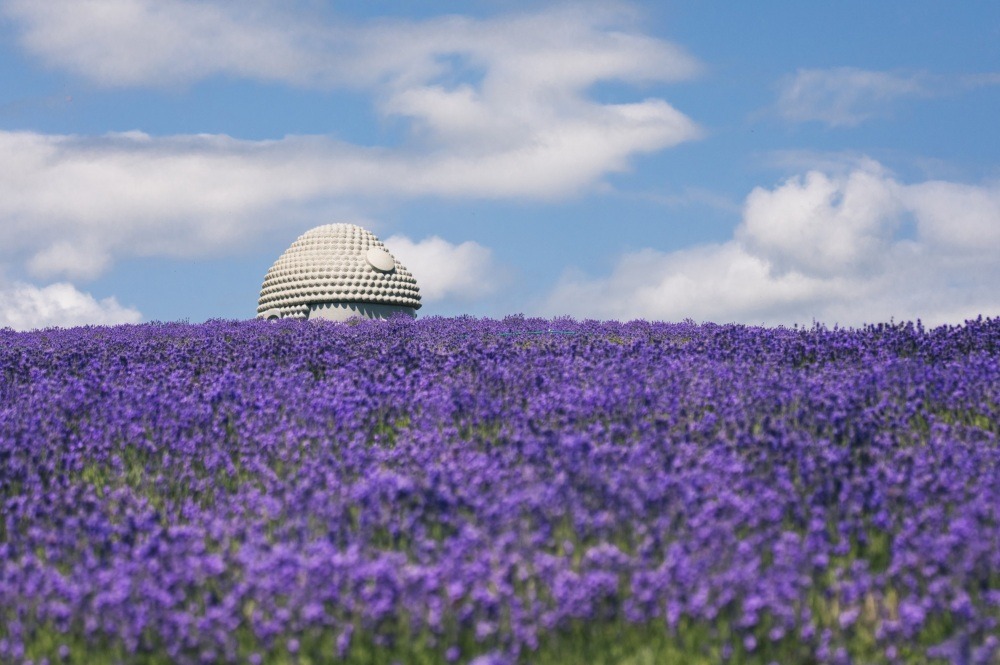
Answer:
(335, 263)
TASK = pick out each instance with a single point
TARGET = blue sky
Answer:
(764, 163)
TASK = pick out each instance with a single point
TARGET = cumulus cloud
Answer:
(465, 272)
(959, 220)
(839, 248)
(25, 307)
(823, 224)
(496, 108)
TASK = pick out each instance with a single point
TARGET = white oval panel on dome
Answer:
(380, 259)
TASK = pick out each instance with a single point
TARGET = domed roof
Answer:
(336, 263)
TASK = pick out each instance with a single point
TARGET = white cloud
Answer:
(829, 247)
(844, 96)
(498, 108)
(170, 42)
(71, 260)
(25, 307)
(957, 218)
(823, 224)
(134, 42)
(71, 204)
(466, 271)
(706, 283)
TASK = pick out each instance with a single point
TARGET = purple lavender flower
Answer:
(234, 491)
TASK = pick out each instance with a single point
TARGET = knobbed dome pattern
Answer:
(336, 263)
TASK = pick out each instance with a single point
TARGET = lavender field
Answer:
(500, 491)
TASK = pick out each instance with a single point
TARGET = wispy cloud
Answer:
(848, 96)
(831, 247)
(686, 197)
(844, 96)
(983, 80)
(158, 43)
(172, 42)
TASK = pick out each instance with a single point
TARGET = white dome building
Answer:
(336, 272)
